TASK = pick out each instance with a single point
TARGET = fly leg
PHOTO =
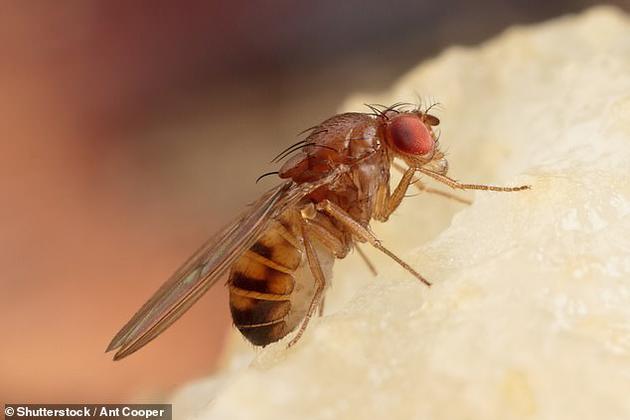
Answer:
(459, 186)
(320, 310)
(390, 202)
(387, 202)
(363, 234)
(393, 201)
(423, 188)
(324, 236)
(366, 260)
(320, 283)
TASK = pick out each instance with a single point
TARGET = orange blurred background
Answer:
(132, 130)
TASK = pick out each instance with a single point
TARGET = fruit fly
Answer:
(280, 251)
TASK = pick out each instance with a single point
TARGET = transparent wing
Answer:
(202, 270)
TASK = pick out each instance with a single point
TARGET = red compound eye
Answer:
(409, 135)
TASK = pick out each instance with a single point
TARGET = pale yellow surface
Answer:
(529, 316)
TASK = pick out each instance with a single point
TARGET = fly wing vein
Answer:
(207, 265)
(197, 274)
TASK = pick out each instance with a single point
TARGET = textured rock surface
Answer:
(529, 316)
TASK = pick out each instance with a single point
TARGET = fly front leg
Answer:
(460, 186)
(389, 202)
(363, 234)
(425, 189)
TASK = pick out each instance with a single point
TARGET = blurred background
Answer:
(130, 131)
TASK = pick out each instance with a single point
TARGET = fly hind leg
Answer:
(315, 228)
(320, 283)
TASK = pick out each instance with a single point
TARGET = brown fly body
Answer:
(279, 253)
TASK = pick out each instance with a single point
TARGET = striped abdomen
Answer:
(261, 284)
